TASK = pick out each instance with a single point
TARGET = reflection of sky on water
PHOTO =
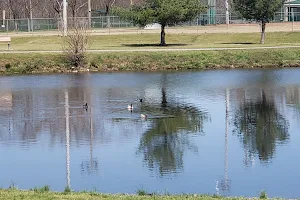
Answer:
(32, 132)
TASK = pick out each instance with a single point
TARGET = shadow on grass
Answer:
(238, 43)
(153, 45)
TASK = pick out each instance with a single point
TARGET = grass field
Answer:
(144, 41)
(152, 61)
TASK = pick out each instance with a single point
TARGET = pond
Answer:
(227, 132)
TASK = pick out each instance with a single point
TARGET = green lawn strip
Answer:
(152, 61)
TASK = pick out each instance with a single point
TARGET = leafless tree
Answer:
(47, 9)
(76, 44)
(58, 7)
(76, 5)
(15, 8)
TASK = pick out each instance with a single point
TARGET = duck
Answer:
(139, 99)
(130, 107)
(144, 116)
(85, 106)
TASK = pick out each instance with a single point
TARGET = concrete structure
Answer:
(291, 10)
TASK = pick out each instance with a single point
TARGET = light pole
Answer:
(65, 23)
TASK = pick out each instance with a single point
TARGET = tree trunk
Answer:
(30, 14)
(162, 36)
(263, 32)
(107, 16)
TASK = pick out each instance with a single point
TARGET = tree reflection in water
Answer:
(163, 145)
(260, 126)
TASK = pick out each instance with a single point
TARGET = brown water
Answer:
(233, 132)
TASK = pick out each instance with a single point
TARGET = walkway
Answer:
(159, 49)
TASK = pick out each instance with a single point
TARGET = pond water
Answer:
(228, 132)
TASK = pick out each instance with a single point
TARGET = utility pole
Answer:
(227, 12)
(90, 14)
(65, 23)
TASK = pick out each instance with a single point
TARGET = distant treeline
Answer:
(20, 9)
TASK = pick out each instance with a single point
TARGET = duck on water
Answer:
(130, 107)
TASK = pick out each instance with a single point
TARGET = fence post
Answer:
(293, 21)
(197, 24)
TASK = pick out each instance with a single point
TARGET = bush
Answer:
(263, 195)
(75, 45)
(7, 66)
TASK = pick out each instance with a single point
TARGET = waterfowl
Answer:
(144, 116)
(130, 107)
(139, 99)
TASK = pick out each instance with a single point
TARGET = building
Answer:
(291, 10)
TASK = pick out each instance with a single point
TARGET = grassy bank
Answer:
(152, 61)
(13, 194)
(146, 40)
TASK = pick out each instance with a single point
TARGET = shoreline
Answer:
(45, 193)
(36, 63)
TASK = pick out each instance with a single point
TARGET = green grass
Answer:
(7, 194)
(32, 63)
(141, 192)
(152, 61)
(146, 40)
(45, 188)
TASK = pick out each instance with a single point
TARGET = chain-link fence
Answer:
(52, 24)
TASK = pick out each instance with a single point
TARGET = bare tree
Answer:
(29, 6)
(58, 7)
(76, 44)
(75, 6)
(15, 11)
(47, 9)
(105, 5)
(18, 9)
(15, 8)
